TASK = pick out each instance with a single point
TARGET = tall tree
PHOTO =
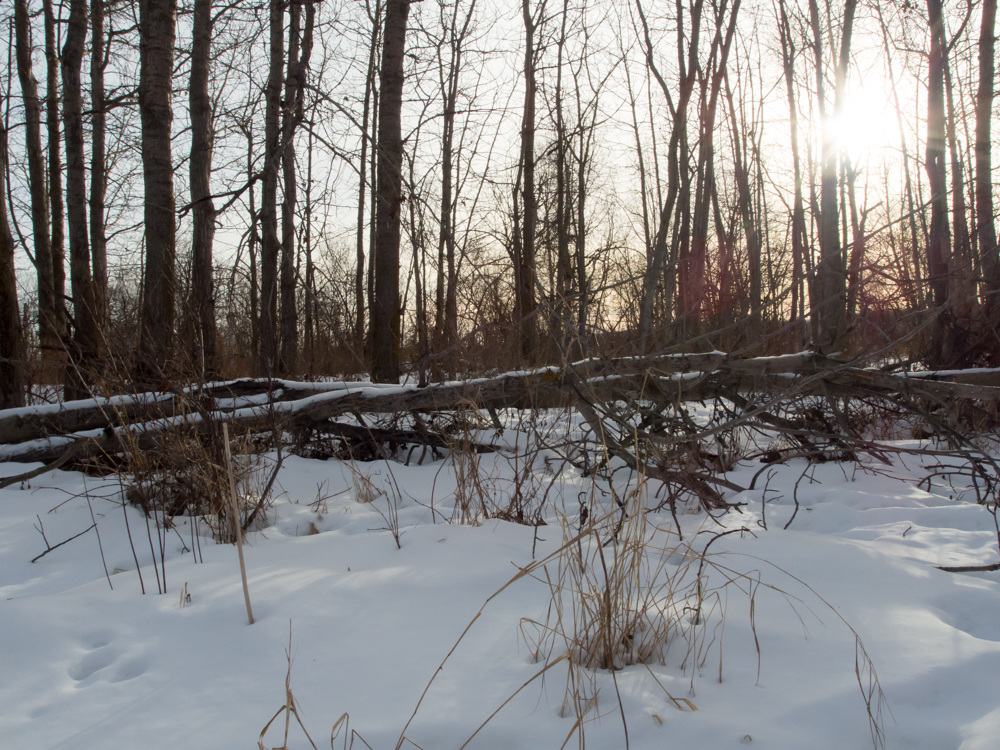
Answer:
(830, 286)
(56, 203)
(449, 72)
(98, 153)
(691, 293)
(374, 12)
(386, 313)
(939, 237)
(985, 183)
(300, 41)
(48, 319)
(156, 57)
(11, 338)
(85, 332)
(203, 208)
(658, 271)
(525, 312)
(270, 242)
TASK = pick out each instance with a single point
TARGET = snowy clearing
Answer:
(768, 652)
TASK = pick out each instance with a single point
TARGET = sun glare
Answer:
(866, 127)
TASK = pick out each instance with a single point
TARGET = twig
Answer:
(74, 450)
(236, 519)
(66, 541)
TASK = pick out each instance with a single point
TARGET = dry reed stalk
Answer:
(236, 519)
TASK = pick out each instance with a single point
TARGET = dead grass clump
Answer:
(613, 592)
(183, 471)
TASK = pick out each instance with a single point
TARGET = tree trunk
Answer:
(98, 172)
(446, 312)
(963, 283)
(203, 209)
(309, 297)
(156, 335)
(656, 262)
(986, 227)
(830, 286)
(86, 333)
(12, 380)
(527, 325)
(561, 313)
(294, 80)
(939, 238)
(270, 242)
(61, 319)
(359, 271)
(48, 318)
(799, 239)
(386, 313)
(698, 268)
(299, 50)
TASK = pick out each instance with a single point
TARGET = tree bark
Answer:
(939, 237)
(85, 330)
(98, 172)
(830, 286)
(360, 295)
(299, 50)
(203, 346)
(986, 226)
(12, 380)
(446, 308)
(386, 313)
(48, 318)
(657, 271)
(270, 242)
(693, 313)
(525, 313)
(56, 204)
(294, 83)
(156, 55)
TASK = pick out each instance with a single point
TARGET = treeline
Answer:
(297, 187)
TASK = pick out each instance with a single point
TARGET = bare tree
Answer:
(455, 32)
(375, 17)
(386, 312)
(11, 339)
(48, 318)
(829, 302)
(270, 242)
(939, 239)
(203, 207)
(525, 247)
(98, 154)
(658, 270)
(85, 331)
(985, 221)
(56, 203)
(300, 42)
(156, 55)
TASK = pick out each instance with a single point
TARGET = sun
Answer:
(866, 126)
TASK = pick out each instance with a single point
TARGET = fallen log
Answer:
(45, 434)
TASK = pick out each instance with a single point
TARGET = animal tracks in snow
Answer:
(103, 661)
(974, 622)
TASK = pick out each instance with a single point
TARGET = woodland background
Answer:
(300, 188)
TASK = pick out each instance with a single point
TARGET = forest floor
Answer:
(837, 632)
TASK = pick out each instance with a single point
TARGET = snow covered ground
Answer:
(777, 659)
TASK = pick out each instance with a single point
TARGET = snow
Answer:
(789, 614)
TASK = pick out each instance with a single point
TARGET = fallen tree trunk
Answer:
(657, 383)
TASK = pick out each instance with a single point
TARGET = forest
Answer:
(531, 373)
(444, 189)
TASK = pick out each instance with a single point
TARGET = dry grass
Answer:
(186, 473)
(289, 709)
